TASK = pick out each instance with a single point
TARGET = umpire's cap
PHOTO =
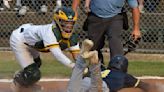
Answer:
(119, 62)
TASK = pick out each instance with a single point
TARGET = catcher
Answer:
(28, 40)
(114, 78)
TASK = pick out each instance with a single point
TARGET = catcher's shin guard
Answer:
(28, 76)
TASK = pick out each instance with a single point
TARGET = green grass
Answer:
(142, 68)
(48, 69)
(55, 69)
(8, 68)
(51, 68)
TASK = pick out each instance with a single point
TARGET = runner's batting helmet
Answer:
(119, 62)
(65, 19)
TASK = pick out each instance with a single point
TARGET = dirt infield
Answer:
(60, 86)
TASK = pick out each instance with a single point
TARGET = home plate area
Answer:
(60, 85)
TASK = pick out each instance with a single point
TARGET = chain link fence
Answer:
(152, 23)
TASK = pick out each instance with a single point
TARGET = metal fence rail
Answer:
(152, 24)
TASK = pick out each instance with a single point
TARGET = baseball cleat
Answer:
(87, 54)
(86, 46)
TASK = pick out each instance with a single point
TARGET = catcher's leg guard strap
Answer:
(38, 61)
(30, 75)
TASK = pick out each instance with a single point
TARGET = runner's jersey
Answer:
(117, 80)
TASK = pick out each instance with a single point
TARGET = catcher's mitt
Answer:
(131, 44)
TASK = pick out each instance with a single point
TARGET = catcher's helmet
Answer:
(119, 62)
(65, 19)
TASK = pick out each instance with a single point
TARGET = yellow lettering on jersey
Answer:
(105, 73)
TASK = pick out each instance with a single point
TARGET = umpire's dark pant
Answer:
(112, 27)
(1, 3)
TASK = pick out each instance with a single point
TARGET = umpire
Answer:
(106, 20)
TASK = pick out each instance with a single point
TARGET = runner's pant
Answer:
(78, 84)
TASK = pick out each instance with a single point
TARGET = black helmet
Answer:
(119, 62)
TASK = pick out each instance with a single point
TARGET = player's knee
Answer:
(28, 76)
(38, 61)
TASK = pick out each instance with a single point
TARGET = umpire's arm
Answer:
(75, 5)
(136, 18)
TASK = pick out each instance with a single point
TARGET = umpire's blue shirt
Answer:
(109, 8)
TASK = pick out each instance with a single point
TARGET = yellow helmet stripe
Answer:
(62, 15)
(75, 18)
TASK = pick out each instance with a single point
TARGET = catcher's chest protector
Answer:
(64, 43)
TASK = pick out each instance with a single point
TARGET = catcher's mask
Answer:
(119, 62)
(65, 19)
